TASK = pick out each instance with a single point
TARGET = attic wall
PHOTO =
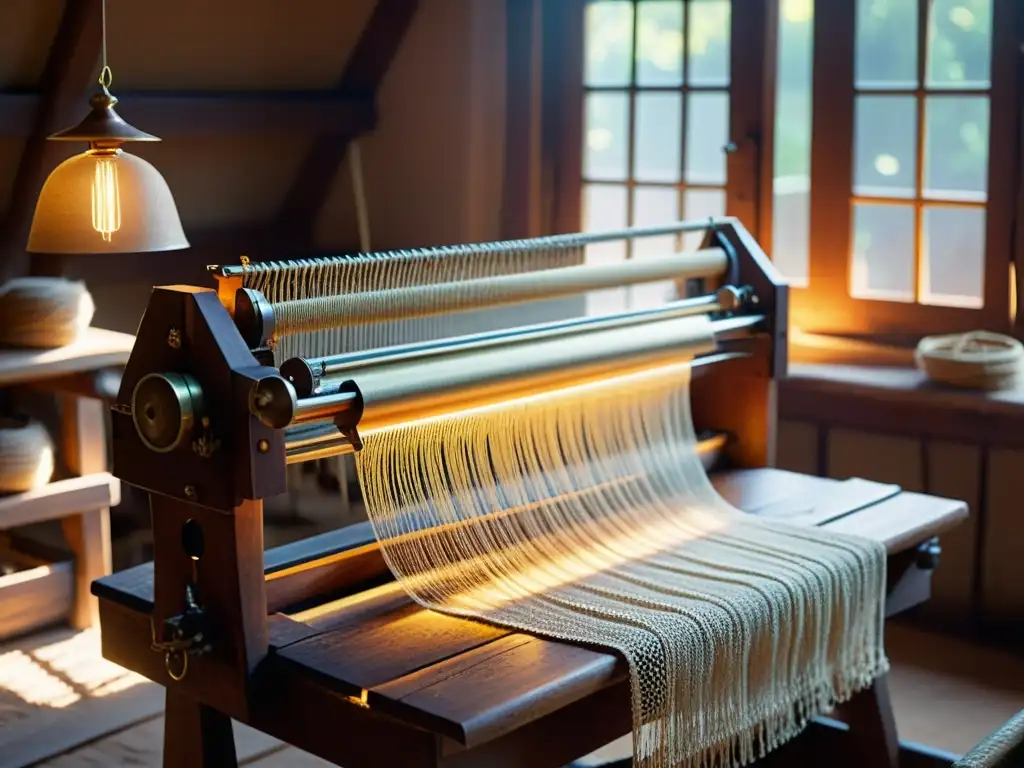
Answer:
(980, 578)
(432, 168)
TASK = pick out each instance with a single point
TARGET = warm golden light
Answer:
(61, 673)
(106, 199)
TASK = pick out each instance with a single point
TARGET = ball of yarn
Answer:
(26, 455)
(976, 360)
(44, 312)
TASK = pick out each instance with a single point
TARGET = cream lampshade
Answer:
(105, 200)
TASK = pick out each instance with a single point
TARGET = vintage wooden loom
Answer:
(314, 643)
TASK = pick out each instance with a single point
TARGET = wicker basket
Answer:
(26, 455)
(977, 360)
(44, 312)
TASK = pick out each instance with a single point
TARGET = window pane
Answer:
(953, 257)
(883, 252)
(659, 42)
(701, 204)
(707, 42)
(604, 156)
(608, 43)
(885, 142)
(960, 44)
(653, 206)
(707, 131)
(604, 208)
(790, 246)
(659, 134)
(956, 147)
(886, 43)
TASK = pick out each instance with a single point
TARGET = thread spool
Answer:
(976, 360)
(26, 455)
(44, 312)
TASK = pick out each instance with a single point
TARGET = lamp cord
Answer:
(106, 76)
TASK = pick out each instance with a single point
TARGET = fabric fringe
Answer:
(585, 516)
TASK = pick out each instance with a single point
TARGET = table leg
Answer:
(196, 736)
(83, 439)
(873, 727)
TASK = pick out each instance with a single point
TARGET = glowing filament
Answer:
(106, 200)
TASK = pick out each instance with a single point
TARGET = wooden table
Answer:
(46, 592)
(372, 679)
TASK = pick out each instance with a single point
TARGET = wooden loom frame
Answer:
(207, 517)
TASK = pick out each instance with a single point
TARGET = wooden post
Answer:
(225, 566)
(196, 736)
(83, 428)
(869, 715)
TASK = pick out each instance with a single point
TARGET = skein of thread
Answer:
(44, 312)
(976, 360)
(26, 455)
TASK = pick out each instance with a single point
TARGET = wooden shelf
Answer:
(98, 348)
(36, 597)
(60, 499)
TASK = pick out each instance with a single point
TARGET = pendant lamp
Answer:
(105, 200)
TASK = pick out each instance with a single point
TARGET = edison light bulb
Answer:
(106, 198)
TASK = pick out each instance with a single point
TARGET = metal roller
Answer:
(311, 376)
(397, 390)
(321, 313)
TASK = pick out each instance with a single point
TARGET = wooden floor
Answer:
(62, 706)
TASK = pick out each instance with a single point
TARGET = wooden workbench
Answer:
(372, 679)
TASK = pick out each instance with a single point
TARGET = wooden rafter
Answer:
(369, 62)
(71, 65)
(211, 113)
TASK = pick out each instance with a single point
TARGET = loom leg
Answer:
(196, 736)
(873, 727)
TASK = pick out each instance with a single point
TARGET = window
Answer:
(911, 207)
(885, 131)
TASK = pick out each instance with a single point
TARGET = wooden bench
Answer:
(372, 679)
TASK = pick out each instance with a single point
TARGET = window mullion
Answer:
(831, 165)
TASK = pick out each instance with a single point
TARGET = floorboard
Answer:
(86, 713)
(142, 745)
(56, 692)
(290, 758)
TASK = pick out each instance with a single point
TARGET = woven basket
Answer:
(26, 455)
(977, 360)
(44, 312)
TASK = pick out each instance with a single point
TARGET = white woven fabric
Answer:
(586, 516)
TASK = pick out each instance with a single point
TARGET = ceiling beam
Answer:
(174, 115)
(71, 65)
(366, 68)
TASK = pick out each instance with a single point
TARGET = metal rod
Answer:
(309, 375)
(555, 241)
(392, 391)
(709, 447)
(311, 409)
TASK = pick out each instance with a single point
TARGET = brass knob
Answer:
(272, 400)
(166, 408)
